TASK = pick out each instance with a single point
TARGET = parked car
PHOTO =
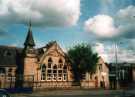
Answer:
(4, 93)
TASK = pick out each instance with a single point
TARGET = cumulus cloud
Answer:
(126, 15)
(108, 51)
(121, 27)
(100, 49)
(101, 25)
(126, 21)
(41, 12)
(104, 26)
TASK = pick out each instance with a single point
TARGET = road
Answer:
(72, 96)
(75, 93)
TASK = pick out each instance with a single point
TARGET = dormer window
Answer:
(7, 53)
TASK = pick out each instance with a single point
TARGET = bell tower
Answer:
(29, 42)
(29, 56)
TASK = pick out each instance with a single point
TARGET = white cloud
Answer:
(104, 26)
(108, 51)
(125, 55)
(126, 21)
(41, 12)
(100, 49)
(126, 15)
(101, 25)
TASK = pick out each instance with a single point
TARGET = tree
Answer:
(83, 60)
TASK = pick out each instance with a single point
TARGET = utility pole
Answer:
(116, 65)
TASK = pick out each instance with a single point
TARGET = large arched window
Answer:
(43, 72)
(50, 62)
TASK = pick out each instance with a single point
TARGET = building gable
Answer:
(54, 51)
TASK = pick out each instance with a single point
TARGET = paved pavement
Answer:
(75, 93)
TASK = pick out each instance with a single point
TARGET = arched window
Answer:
(43, 72)
(50, 62)
(60, 63)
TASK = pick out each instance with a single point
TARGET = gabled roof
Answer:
(47, 46)
(43, 51)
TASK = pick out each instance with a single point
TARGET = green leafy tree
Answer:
(83, 60)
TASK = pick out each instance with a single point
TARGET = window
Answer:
(54, 71)
(65, 77)
(55, 66)
(43, 72)
(100, 68)
(59, 71)
(10, 70)
(83, 76)
(49, 74)
(65, 69)
(50, 62)
(2, 70)
(60, 63)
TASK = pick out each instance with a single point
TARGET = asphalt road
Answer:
(77, 96)
(75, 93)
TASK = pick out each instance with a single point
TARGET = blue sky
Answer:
(65, 22)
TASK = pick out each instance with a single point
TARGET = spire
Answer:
(29, 39)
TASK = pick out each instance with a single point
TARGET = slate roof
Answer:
(8, 55)
(29, 39)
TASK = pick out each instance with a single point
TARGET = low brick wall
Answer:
(52, 84)
(88, 84)
(62, 84)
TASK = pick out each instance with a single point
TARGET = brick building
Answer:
(46, 67)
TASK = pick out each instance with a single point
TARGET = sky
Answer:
(100, 23)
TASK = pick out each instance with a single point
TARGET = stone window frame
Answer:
(54, 73)
(43, 72)
(50, 62)
(60, 63)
